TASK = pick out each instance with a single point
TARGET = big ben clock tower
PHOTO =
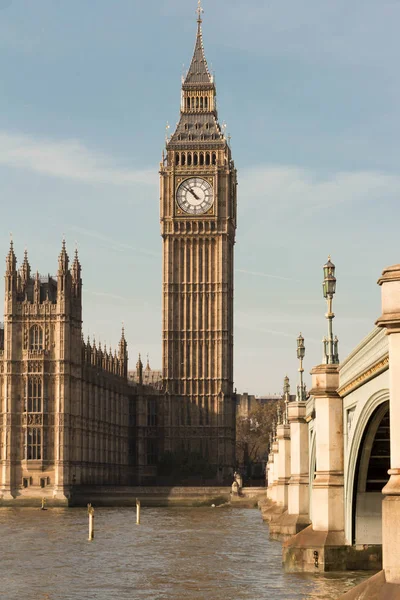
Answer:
(198, 224)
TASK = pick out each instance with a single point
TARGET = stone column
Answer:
(328, 491)
(274, 471)
(283, 474)
(298, 483)
(316, 547)
(270, 471)
(390, 319)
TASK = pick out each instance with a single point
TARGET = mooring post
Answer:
(91, 521)
(137, 511)
(43, 504)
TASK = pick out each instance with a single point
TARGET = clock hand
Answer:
(193, 194)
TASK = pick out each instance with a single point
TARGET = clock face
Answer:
(195, 196)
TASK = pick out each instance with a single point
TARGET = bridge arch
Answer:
(358, 503)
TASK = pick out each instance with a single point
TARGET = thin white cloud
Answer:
(113, 244)
(68, 159)
(283, 188)
(319, 32)
(258, 274)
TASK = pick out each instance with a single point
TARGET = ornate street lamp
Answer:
(331, 356)
(301, 352)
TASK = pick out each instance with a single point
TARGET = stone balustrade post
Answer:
(328, 490)
(283, 470)
(299, 477)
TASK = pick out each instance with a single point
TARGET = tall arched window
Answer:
(183, 160)
(189, 160)
(201, 159)
(34, 396)
(34, 443)
(195, 159)
(207, 158)
(214, 158)
(177, 159)
(36, 338)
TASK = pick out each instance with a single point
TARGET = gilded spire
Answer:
(199, 11)
(198, 71)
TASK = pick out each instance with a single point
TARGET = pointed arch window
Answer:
(34, 395)
(36, 338)
(207, 158)
(195, 159)
(214, 158)
(34, 443)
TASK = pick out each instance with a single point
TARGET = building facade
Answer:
(72, 415)
(198, 225)
(69, 415)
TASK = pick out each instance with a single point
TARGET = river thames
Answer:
(174, 554)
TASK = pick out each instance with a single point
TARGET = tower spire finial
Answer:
(199, 12)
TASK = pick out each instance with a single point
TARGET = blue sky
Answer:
(309, 92)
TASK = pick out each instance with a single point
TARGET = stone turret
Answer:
(25, 272)
(123, 355)
(139, 371)
(76, 277)
(10, 280)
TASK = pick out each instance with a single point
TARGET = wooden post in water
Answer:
(91, 522)
(137, 512)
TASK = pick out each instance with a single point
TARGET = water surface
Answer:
(174, 554)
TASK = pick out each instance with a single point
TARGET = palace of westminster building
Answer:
(71, 413)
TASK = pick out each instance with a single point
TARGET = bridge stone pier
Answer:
(343, 478)
(386, 584)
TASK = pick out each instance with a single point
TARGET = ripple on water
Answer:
(175, 554)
